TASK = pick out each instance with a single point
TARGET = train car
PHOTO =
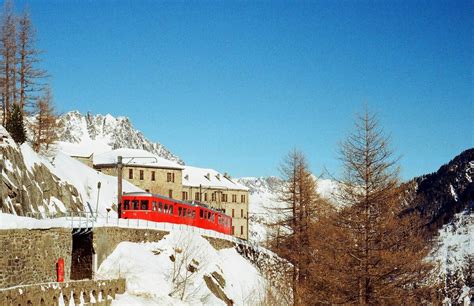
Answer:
(157, 208)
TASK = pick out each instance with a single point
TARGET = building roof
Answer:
(134, 157)
(208, 178)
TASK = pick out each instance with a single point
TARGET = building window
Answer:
(130, 174)
(196, 196)
(241, 230)
(213, 197)
(141, 175)
(170, 193)
(232, 213)
(185, 195)
(224, 197)
(152, 175)
(233, 230)
(170, 177)
(234, 198)
(241, 213)
(242, 198)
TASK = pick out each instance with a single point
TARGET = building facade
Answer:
(218, 191)
(144, 170)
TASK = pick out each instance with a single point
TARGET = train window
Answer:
(166, 208)
(185, 213)
(135, 204)
(193, 214)
(144, 205)
(160, 207)
(126, 204)
(154, 206)
(179, 211)
(201, 213)
(190, 214)
(171, 209)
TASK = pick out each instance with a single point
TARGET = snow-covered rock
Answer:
(34, 184)
(183, 269)
(82, 135)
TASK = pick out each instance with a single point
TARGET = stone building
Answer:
(218, 191)
(143, 169)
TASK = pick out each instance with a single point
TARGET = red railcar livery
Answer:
(152, 207)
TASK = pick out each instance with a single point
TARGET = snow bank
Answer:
(154, 278)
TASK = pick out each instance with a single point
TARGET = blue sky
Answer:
(235, 85)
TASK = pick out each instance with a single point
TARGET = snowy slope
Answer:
(49, 177)
(86, 180)
(82, 135)
(160, 273)
(455, 253)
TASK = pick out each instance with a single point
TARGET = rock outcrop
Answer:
(28, 185)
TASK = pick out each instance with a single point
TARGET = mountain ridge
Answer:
(98, 133)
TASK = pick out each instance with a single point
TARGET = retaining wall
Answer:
(30, 256)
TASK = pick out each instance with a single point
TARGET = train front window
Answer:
(135, 204)
(144, 204)
(126, 204)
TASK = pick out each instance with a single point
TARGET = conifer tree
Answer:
(299, 203)
(367, 253)
(45, 124)
(8, 59)
(15, 125)
(29, 75)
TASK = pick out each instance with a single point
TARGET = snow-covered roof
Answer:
(210, 178)
(134, 157)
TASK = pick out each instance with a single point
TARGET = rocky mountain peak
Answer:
(116, 132)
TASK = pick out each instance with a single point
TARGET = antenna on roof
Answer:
(186, 177)
(208, 176)
(218, 176)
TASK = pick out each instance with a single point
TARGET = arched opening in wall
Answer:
(42, 302)
(81, 257)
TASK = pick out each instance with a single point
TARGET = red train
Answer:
(152, 207)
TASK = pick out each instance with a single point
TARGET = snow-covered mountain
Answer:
(90, 133)
(263, 200)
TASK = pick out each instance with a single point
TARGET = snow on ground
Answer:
(153, 278)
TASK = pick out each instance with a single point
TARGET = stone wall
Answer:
(30, 256)
(106, 239)
(87, 291)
